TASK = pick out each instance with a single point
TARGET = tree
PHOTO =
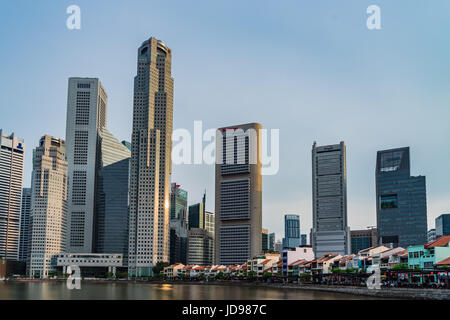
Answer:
(400, 267)
(220, 275)
(159, 267)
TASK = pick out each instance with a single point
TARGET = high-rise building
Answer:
(279, 246)
(48, 205)
(199, 247)
(291, 231)
(12, 151)
(303, 239)
(330, 233)
(442, 224)
(264, 240)
(431, 235)
(86, 117)
(363, 239)
(151, 162)
(401, 200)
(210, 222)
(111, 218)
(178, 225)
(197, 216)
(25, 234)
(272, 241)
(238, 198)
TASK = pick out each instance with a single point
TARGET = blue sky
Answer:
(309, 68)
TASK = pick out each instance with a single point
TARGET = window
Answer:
(388, 202)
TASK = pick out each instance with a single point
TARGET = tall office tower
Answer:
(197, 216)
(111, 224)
(48, 205)
(291, 231)
(330, 233)
(363, 239)
(151, 159)
(199, 247)
(304, 240)
(238, 198)
(178, 224)
(401, 200)
(272, 241)
(11, 178)
(264, 240)
(431, 235)
(25, 235)
(442, 224)
(86, 117)
(210, 222)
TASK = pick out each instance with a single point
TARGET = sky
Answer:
(311, 69)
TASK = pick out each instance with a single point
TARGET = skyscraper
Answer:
(199, 247)
(48, 205)
(151, 158)
(363, 239)
(197, 216)
(401, 200)
(11, 178)
(291, 231)
(25, 224)
(178, 224)
(330, 233)
(111, 224)
(442, 225)
(86, 117)
(238, 197)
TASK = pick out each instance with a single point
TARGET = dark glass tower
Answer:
(291, 231)
(443, 225)
(401, 200)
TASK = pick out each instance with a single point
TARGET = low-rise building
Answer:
(294, 254)
(90, 264)
(172, 270)
(428, 255)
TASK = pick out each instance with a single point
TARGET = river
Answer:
(53, 290)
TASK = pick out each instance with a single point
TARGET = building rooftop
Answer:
(441, 242)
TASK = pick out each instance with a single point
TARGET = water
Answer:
(146, 291)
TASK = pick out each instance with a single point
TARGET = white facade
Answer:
(12, 150)
(300, 253)
(86, 116)
(151, 161)
(48, 205)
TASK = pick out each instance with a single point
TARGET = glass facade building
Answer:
(112, 196)
(443, 225)
(401, 200)
(178, 224)
(291, 231)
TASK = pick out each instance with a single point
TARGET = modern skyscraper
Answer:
(86, 117)
(442, 225)
(363, 239)
(401, 200)
(48, 205)
(12, 151)
(291, 231)
(272, 241)
(151, 162)
(111, 225)
(303, 239)
(330, 233)
(25, 224)
(178, 225)
(264, 240)
(199, 247)
(210, 222)
(238, 198)
(197, 216)
(431, 235)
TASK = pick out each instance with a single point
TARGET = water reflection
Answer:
(141, 291)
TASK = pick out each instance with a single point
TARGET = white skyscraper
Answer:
(330, 233)
(12, 151)
(48, 205)
(150, 159)
(86, 116)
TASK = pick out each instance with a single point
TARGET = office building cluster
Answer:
(100, 203)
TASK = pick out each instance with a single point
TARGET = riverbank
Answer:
(385, 293)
